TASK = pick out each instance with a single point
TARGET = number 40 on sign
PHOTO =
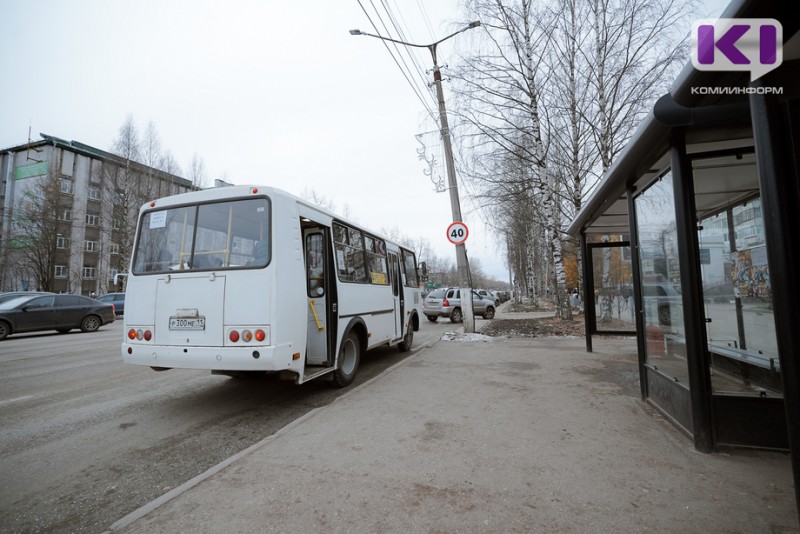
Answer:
(457, 233)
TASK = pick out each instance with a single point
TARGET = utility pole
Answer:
(462, 262)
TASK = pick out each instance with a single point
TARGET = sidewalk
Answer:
(511, 435)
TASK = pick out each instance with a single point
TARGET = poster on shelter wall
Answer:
(750, 272)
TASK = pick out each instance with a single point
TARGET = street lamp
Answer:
(462, 262)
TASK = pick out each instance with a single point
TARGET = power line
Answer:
(419, 70)
(405, 71)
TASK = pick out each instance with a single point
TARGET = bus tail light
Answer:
(139, 334)
(244, 335)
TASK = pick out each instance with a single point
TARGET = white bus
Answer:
(253, 279)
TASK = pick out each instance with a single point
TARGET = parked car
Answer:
(486, 294)
(53, 312)
(447, 303)
(14, 294)
(117, 299)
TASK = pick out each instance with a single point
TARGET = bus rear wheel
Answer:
(408, 339)
(349, 357)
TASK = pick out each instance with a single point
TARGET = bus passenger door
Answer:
(317, 306)
(397, 294)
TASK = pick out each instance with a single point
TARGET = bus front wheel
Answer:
(349, 356)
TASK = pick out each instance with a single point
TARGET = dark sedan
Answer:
(5, 297)
(53, 312)
(117, 299)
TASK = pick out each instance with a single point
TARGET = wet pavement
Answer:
(475, 435)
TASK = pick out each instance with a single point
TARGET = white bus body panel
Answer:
(261, 301)
(273, 298)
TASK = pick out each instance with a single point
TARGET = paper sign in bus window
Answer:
(158, 219)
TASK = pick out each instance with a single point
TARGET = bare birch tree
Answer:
(638, 45)
(561, 88)
(123, 188)
(36, 229)
(503, 92)
(197, 172)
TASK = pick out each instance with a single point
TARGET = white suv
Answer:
(447, 303)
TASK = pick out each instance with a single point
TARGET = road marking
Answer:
(10, 401)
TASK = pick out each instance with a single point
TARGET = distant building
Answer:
(68, 214)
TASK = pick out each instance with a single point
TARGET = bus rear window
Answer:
(211, 236)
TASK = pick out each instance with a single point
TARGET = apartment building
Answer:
(68, 214)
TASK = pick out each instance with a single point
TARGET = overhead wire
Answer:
(419, 70)
(397, 29)
(398, 49)
(401, 50)
(426, 19)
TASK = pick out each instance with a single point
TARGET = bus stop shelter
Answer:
(690, 241)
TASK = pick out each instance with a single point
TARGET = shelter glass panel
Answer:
(737, 296)
(613, 288)
(661, 280)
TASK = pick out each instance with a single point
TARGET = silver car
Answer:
(447, 303)
(486, 294)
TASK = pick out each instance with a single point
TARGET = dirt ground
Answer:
(538, 327)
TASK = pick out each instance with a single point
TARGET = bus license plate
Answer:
(182, 323)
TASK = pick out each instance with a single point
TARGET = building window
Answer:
(65, 215)
(66, 186)
(89, 273)
(62, 242)
(61, 271)
(112, 272)
(92, 246)
(114, 248)
(92, 219)
(116, 224)
(94, 193)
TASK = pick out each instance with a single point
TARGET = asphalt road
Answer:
(86, 439)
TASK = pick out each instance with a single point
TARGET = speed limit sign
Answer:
(457, 233)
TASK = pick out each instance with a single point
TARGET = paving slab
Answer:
(507, 435)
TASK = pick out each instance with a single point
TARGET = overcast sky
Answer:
(273, 92)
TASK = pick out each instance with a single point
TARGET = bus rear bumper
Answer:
(255, 358)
